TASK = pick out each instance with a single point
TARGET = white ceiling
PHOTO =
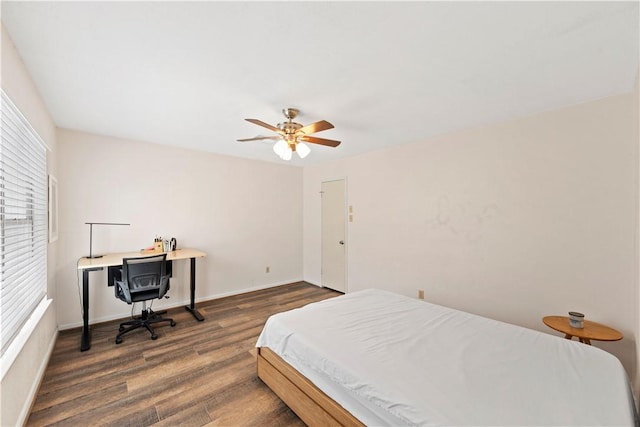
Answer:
(384, 73)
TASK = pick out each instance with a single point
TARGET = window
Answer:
(23, 221)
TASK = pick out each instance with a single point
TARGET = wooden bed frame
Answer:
(312, 405)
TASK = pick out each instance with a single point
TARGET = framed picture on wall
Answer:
(53, 209)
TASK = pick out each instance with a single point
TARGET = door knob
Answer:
(341, 242)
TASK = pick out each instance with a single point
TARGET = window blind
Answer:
(23, 221)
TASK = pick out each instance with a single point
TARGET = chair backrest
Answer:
(145, 278)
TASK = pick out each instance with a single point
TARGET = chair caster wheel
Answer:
(154, 337)
(173, 324)
(118, 340)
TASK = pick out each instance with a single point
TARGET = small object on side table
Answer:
(589, 331)
(576, 320)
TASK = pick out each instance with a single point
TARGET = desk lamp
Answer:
(91, 224)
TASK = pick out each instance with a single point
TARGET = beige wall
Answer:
(19, 384)
(245, 214)
(512, 221)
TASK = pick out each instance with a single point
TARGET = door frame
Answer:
(346, 230)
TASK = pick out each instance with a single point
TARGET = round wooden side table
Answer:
(591, 331)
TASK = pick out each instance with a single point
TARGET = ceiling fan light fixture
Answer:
(293, 136)
(288, 152)
(280, 147)
(302, 149)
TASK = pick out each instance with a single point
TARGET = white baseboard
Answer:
(246, 290)
(187, 302)
(33, 392)
(313, 283)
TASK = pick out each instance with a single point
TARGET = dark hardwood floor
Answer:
(194, 374)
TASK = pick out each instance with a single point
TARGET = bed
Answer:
(378, 358)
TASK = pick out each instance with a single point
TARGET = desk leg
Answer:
(86, 333)
(191, 308)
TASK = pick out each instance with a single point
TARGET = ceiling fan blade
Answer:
(259, 138)
(316, 127)
(321, 141)
(263, 124)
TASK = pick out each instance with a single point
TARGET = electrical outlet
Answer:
(268, 269)
(420, 294)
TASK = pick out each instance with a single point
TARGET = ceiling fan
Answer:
(292, 136)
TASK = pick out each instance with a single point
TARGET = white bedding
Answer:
(393, 360)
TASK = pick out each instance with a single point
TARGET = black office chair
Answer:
(142, 279)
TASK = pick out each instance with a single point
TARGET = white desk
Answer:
(109, 260)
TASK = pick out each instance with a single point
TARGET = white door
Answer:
(333, 235)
